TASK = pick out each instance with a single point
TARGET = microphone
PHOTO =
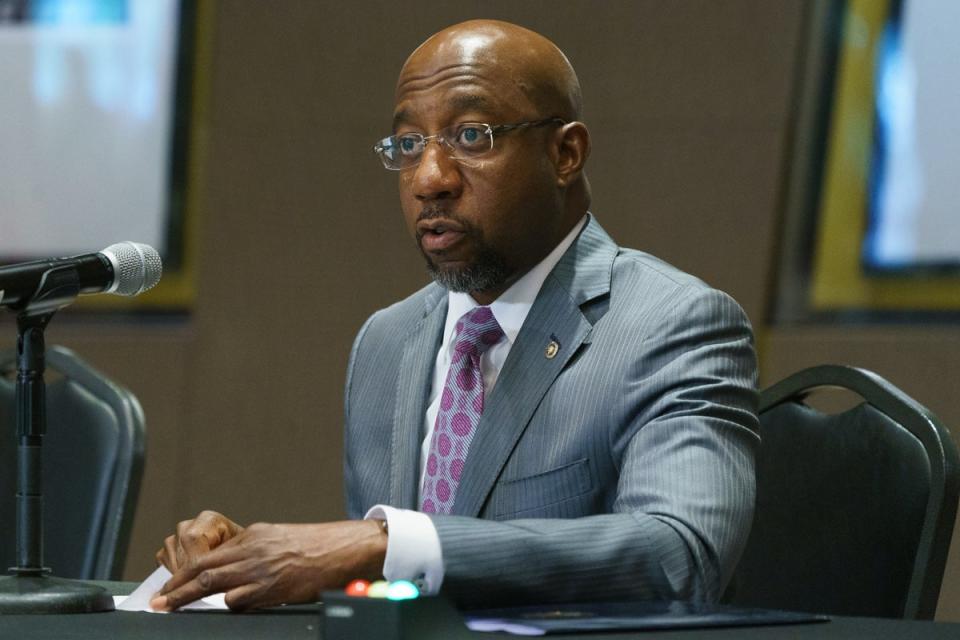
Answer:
(123, 269)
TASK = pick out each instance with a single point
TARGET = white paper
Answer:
(140, 599)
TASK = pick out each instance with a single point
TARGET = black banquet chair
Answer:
(92, 466)
(855, 510)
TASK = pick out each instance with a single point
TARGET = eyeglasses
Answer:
(462, 142)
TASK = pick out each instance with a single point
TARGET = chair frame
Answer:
(941, 510)
(114, 536)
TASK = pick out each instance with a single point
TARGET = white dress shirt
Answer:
(413, 547)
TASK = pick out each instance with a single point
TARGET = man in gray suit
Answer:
(555, 418)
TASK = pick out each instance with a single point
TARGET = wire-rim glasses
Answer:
(463, 141)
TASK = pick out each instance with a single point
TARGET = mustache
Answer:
(434, 212)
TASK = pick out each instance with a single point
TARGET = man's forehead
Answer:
(446, 97)
(416, 78)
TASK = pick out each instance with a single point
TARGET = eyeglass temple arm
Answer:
(536, 123)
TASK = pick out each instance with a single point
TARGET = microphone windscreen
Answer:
(137, 267)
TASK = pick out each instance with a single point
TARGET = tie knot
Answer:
(477, 331)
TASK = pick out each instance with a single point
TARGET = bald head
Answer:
(526, 63)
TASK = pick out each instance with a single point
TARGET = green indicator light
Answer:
(402, 590)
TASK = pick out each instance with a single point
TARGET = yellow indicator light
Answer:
(378, 589)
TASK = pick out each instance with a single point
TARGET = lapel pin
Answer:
(552, 348)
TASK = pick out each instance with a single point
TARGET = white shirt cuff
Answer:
(413, 548)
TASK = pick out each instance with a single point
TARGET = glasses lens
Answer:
(469, 140)
(387, 150)
(400, 152)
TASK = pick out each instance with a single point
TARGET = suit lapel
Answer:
(581, 275)
(524, 379)
(414, 380)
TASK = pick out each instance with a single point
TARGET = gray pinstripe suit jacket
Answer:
(621, 468)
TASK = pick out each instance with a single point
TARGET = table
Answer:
(303, 622)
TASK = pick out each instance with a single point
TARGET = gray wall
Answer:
(301, 236)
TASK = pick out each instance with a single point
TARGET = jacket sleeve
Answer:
(355, 510)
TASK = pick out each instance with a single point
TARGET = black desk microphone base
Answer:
(44, 594)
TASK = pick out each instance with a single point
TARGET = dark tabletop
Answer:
(304, 622)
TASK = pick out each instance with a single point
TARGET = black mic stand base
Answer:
(45, 594)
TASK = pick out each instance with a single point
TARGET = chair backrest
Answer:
(92, 465)
(855, 510)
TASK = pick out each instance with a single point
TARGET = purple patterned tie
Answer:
(461, 404)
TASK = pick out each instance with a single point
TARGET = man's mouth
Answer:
(439, 235)
(440, 239)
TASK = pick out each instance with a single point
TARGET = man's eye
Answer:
(471, 137)
(408, 144)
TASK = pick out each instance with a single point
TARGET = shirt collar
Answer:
(513, 305)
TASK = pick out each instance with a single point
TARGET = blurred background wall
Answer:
(300, 234)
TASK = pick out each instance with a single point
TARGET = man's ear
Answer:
(573, 148)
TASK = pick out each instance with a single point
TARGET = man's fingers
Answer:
(219, 558)
(248, 596)
(196, 537)
(193, 539)
(169, 554)
(207, 531)
(203, 583)
(166, 555)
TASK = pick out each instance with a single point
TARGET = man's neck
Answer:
(486, 297)
(490, 295)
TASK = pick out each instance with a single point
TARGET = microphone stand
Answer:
(30, 588)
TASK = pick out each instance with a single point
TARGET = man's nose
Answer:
(438, 175)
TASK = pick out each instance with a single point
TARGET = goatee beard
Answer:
(487, 272)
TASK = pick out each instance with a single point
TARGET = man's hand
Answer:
(194, 538)
(270, 564)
